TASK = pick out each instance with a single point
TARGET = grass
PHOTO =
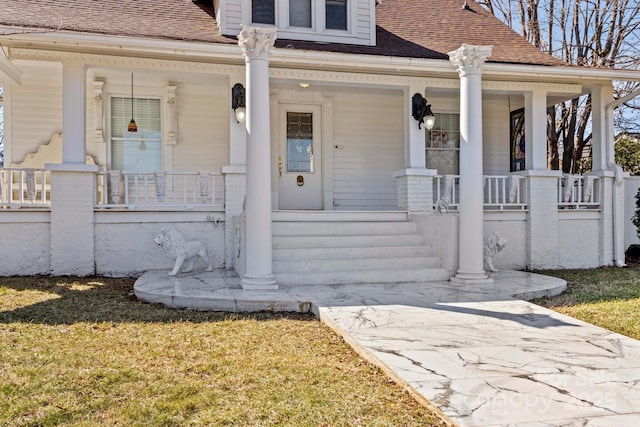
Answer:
(608, 297)
(83, 352)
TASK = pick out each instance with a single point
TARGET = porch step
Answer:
(327, 248)
(345, 241)
(366, 276)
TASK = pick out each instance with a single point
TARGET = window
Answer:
(443, 144)
(263, 11)
(136, 151)
(336, 14)
(300, 13)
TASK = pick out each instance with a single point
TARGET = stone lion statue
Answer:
(493, 244)
(175, 245)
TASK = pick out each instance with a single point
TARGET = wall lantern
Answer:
(421, 111)
(237, 102)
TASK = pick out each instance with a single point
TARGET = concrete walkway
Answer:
(479, 353)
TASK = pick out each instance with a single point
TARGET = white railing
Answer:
(578, 192)
(170, 188)
(506, 192)
(21, 187)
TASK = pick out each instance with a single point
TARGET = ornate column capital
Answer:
(256, 42)
(468, 59)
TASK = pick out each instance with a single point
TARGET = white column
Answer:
(468, 61)
(256, 43)
(535, 112)
(73, 113)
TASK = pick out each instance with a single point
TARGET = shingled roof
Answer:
(406, 28)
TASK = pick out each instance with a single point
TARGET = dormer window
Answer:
(326, 21)
(316, 15)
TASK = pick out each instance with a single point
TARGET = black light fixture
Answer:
(421, 111)
(238, 103)
(132, 124)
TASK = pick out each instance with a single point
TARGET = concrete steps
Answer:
(336, 248)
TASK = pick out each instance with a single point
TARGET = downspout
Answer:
(618, 258)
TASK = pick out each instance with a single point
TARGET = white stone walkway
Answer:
(482, 356)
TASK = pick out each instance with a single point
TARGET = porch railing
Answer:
(501, 192)
(167, 188)
(578, 192)
(24, 187)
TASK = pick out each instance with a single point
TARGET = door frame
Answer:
(299, 98)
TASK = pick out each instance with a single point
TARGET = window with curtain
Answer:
(336, 14)
(443, 144)
(300, 13)
(139, 151)
(263, 11)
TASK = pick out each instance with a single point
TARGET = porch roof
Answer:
(426, 29)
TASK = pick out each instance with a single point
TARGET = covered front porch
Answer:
(341, 143)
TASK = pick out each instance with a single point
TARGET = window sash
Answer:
(139, 151)
(263, 11)
(336, 14)
(300, 13)
(443, 144)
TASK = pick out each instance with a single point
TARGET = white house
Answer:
(329, 176)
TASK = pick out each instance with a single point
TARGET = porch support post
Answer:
(535, 112)
(468, 61)
(415, 182)
(611, 187)
(234, 183)
(256, 43)
(73, 184)
(74, 113)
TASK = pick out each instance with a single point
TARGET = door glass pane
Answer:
(299, 142)
(300, 13)
(336, 14)
(263, 11)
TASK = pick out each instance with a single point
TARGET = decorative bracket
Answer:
(171, 132)
(98, 111)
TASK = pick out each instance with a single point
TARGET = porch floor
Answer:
(480, 353)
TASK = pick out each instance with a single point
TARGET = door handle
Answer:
(279, 166)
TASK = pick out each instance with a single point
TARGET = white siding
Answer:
(203, 127)
(36, 107)
(370, 128)
(365, 19)
(233, 17)
(495, 127)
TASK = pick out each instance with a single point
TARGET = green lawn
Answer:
(83, 352)
(607, 297)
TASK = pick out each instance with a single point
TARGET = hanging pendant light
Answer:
(133, 127)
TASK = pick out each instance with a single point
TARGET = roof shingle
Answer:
(406, 28)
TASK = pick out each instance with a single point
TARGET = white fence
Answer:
(24, 187)
(578, 192)
(157, 189)
(501, 192)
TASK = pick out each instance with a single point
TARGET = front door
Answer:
(299, 157)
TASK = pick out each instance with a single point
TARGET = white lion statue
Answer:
(175, 245)
(493, 244)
